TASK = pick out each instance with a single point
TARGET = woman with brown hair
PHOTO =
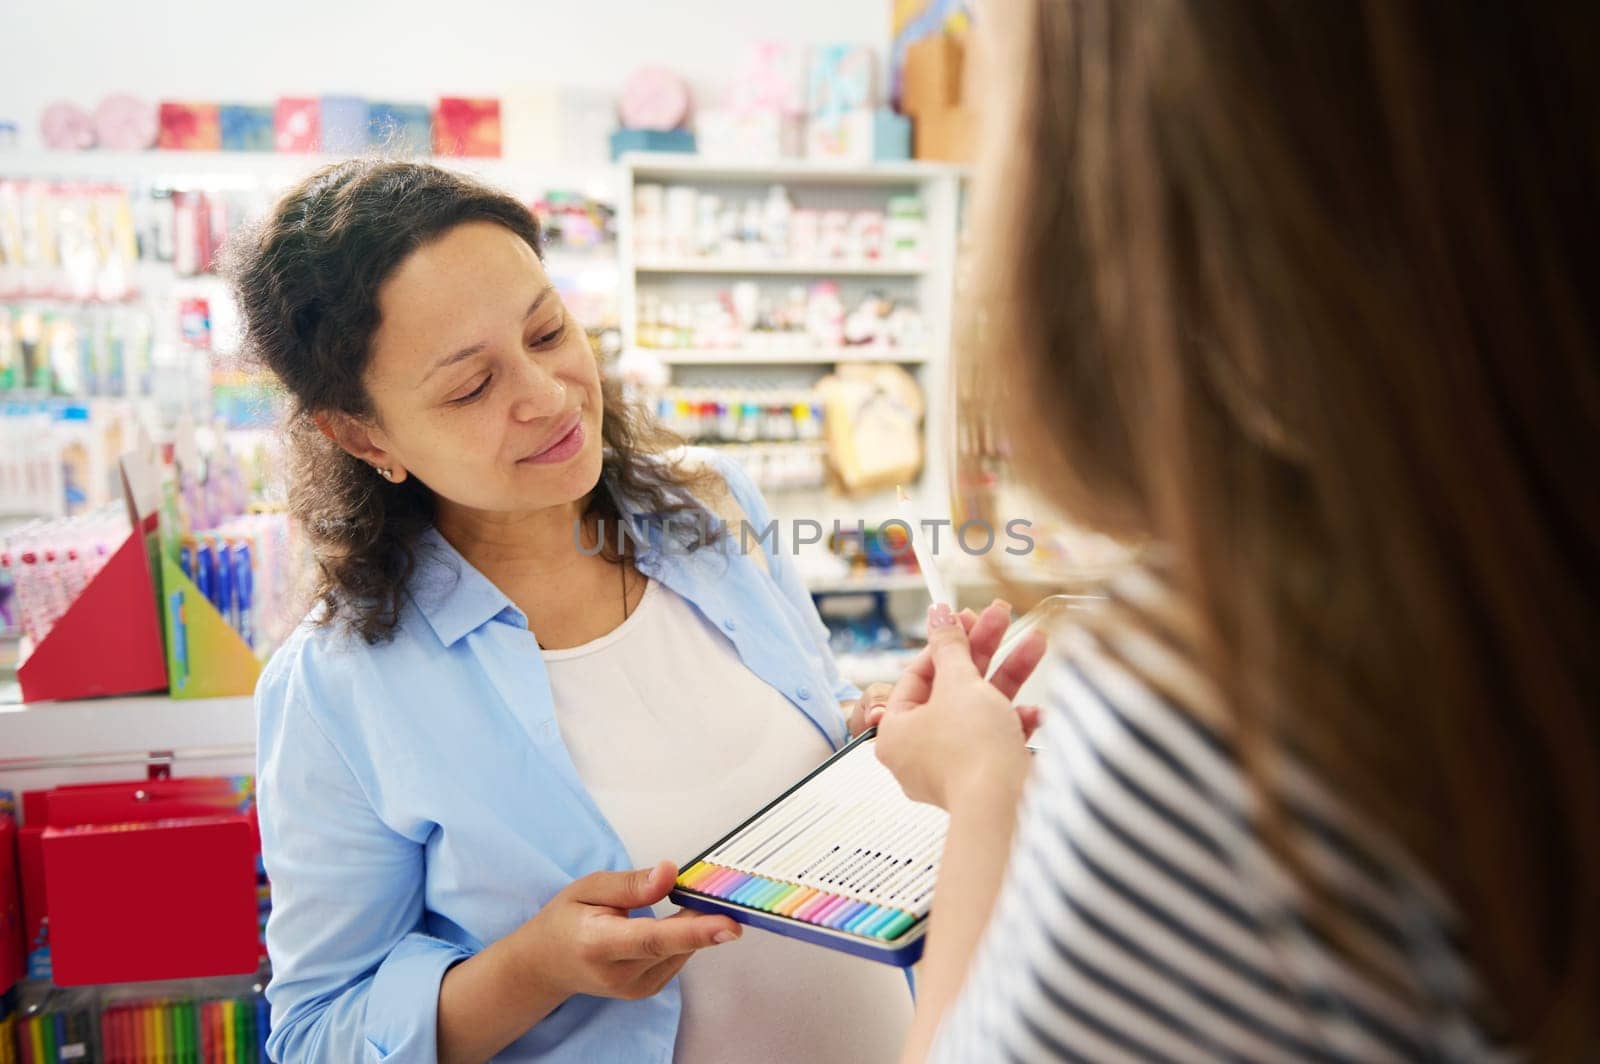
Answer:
(536, 670)
(1292, 296)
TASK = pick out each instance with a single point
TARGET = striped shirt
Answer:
(1144, 918)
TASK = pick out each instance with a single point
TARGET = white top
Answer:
(678, 742)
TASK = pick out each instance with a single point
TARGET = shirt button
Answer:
(548, 727)
(804, 692)
(730, 624)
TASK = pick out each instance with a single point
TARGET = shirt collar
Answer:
(456, 598)
(452, 594)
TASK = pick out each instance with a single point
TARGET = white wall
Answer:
(397, 49)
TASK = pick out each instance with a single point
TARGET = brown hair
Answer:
(1295, 290)
(307, 281)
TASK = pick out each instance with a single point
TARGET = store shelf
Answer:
(213, 169)
(687, 356)
(653, 166)
(762, 267)
(95, 730)
(928, 284)
(875, 582)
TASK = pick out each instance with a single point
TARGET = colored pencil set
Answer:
(151, 1032)
(844, 853)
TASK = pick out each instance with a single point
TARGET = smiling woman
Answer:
(369, 329)
(494, 714)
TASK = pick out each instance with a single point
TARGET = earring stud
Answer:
(385, 473)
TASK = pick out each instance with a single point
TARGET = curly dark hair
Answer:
(306, 279)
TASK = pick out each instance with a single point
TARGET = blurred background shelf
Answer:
(46, 743)
(685, 356)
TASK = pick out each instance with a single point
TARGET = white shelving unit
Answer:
(879, 582)
(689, 356)
(49, 743)
(779, 268)
(222, 170)
(930, 281)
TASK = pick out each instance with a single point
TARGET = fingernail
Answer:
(1003, 603)
(723, 936)
(939, 615)
(874, 715)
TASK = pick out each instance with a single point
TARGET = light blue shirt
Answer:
(417, 802)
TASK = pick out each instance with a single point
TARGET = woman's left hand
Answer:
(946, 731)
(864, 712)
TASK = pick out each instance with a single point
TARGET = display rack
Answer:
(930, 281)
(244, 170)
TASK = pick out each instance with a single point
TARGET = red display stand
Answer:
(11, 954)
(140, 880)
(109, 640)
(167, 899)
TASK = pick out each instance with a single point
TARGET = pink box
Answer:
(297, 126)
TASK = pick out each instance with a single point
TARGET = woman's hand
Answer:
(946, 732)
(584, 939)
(864, 712)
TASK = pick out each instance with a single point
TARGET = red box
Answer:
(191, 126)
(11, 952)
(297, 125)
(121, 806)
(118, 616)
(165, 899)
(467, 126)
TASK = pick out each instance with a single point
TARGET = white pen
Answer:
(938, 591)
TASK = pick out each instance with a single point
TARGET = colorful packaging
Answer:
(843, 78)
(753, 136)
(297, 125)
(64, 126)
(654, 98)
(845, 138)
(891, 136)
(190, 126)
(246, 127)
(770, 77)
(126, 123)
(467, 126)
(400, 129)
(344, 124)
(626, 140)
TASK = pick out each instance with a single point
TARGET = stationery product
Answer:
(246, 127)
(891, 136)
(467, 126)
(401, 129)
(873, 417)
(191, 910)
(12, 950)
(190, 126)
(654, 98)
(843, 859)
(145, 1030)
(65, 126)
(938, 590)
(626, 140)
(126, 123)
(343, 124)
(679, 221)
(841, 96)
(297, 124)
